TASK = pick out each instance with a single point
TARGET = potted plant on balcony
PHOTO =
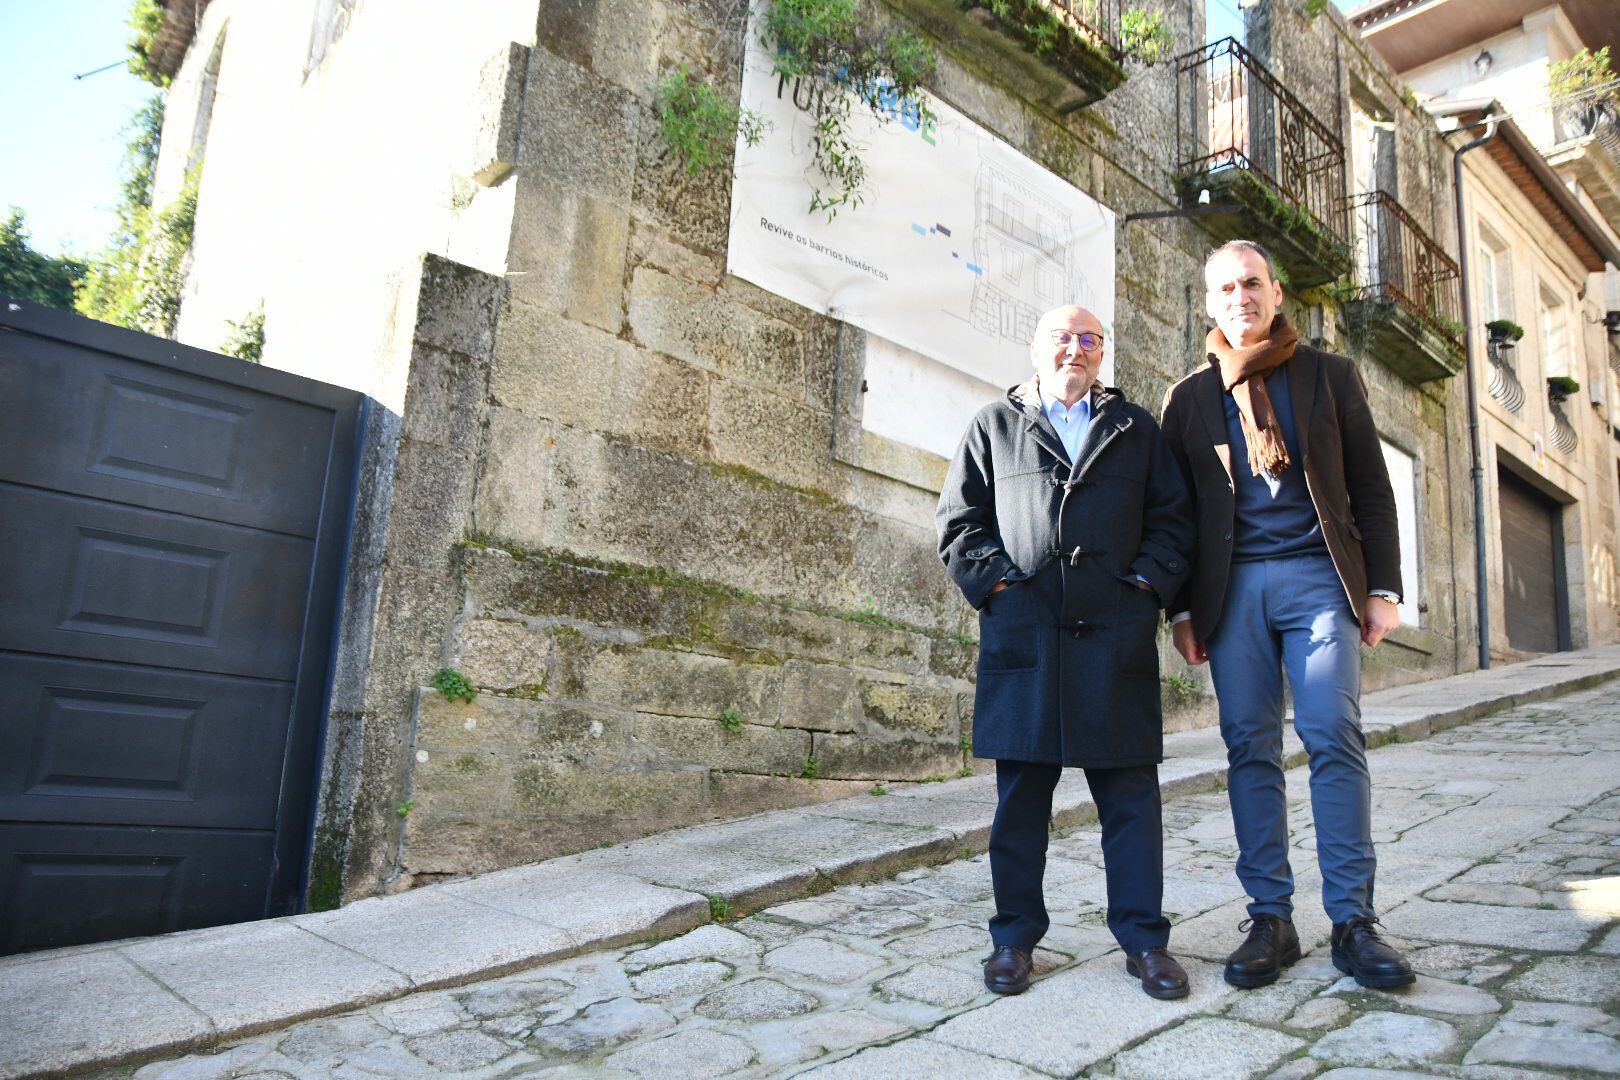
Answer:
(1502, 333)
(1583, 91)
(1560, 387)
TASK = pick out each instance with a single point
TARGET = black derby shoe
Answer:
(1272, 945)
(1161, 976)
(1006, 971)
(1358, 951)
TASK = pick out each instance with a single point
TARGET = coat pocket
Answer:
(1136, 631)
(1009, 631)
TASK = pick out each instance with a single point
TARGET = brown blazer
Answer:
(1344, 470)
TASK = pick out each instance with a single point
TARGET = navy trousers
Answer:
(1291, 615)
(1128, 809)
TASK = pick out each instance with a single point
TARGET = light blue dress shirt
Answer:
(1071, 422)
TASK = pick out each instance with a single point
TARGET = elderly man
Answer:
(1298, 564)
(1064, 521)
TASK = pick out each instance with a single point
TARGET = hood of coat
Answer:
(1026, 398)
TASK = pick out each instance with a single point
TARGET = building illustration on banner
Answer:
(1020, 257)
(1019, 233)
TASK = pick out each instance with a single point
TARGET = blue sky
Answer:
(63, 139)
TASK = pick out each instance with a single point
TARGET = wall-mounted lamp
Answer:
(1482, 62)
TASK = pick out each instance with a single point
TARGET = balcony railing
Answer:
(1096, 21)
(1244, 136)
(1402, 263)
(1504, 384)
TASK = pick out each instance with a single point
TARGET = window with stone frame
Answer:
(1553, 333)
(1403, 477)
(1495, 288)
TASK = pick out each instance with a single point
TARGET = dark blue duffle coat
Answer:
(1068, 658)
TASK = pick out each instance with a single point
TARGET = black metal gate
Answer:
(173, 525)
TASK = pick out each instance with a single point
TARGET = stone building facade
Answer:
(1542, 200)
(631, 497)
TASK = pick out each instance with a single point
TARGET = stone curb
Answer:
(124, 1002)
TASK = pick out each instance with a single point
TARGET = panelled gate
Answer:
(173, 528)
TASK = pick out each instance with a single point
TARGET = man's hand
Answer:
(1382, 617)
(1187, 643)
(998, 586)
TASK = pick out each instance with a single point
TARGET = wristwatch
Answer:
(1392, 597)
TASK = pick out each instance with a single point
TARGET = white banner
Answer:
(960, 243)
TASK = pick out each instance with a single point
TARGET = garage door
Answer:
(1532, 567)
(172, 529)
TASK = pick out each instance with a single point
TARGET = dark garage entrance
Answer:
(1534, 589)
(172, 533)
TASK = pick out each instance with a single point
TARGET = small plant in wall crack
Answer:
(404, 808)
(698, 124)
(732, 721)
(719, 908)
(812, 769)
(453, 685)
(1143, 35)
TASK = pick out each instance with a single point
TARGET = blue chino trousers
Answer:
(1291, 615)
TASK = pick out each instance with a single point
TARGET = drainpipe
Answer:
(1478, 469)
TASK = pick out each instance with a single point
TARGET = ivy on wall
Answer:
(831, 46)
(137, 278)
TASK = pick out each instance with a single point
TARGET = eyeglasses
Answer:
(1086, 338)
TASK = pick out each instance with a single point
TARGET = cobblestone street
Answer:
(1499, 848)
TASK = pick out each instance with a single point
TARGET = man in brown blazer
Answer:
(1297, 565)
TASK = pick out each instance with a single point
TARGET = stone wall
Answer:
(690, 588)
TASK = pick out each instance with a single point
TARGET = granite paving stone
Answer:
(135, 1009)
(1590, 980)
(920, 1057)
(1037, 1027)
(756, 999)
(1429, 995)
(458, 1051)
(685, 1055)
(328, 1040)
(511, 996)
(678, 980)
(1318, 1013)
(1487, 924)
(1387, 1038)
(934, 985)
(310, 975)
(842, 1030)
(710, 942)
(822, 959)
(1514, 1043)
(603, 1024)
(1204, 1048)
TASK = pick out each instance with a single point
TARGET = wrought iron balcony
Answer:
(1504, 384)
(1562, 437)
(1274, 172)
(1407, 292)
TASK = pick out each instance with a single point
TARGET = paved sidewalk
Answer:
(1495, 838)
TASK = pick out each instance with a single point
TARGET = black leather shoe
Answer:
(1272, 945)
(1360, 952)
(1161, 976)
(1006, 971)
